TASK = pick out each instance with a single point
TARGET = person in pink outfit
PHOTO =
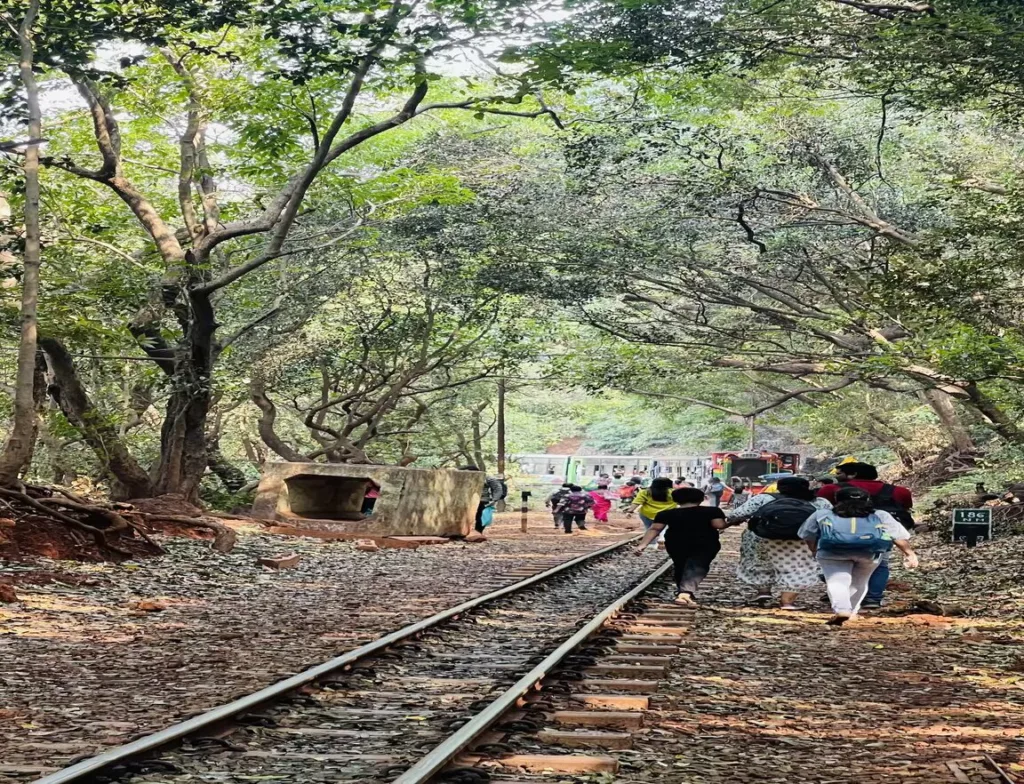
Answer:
(602, 503)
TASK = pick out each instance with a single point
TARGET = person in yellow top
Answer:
(656, 498)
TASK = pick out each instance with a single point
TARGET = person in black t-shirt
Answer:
(691, 540)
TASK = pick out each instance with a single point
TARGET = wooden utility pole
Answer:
(501, 426)
(752, 423)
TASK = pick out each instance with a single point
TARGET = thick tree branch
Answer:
(257, 391)
(986, 186)
(684, 399)
(69, 393)
(888, 10)
(783, 398)
(105, 129)
(280, 216)
(801, 393)
(867, 216)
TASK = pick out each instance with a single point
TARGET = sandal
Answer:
(685, 599)
(762, 600)
(789, 607)
(837, 620)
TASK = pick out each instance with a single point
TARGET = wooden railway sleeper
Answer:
(358, 676)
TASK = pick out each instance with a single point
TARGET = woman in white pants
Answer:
(848, 570)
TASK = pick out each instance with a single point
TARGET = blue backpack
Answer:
(853, 534)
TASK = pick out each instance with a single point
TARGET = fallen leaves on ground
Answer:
(93, 655)
(777, 697)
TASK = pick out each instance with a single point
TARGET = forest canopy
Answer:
(329, 231)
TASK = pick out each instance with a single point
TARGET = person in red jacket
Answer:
(894, 499)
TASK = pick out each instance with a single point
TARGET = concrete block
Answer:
(413, 501)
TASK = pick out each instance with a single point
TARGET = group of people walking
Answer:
(571, 502)
(796, 536)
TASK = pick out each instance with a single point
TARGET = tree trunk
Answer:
(478, 440)
(183, 459)
(68, 392)
(1001, 422)
(17, 453)
(251, 453)
(500, 424)
(885, 435)
(229, 474)
(62, 468)
(942, 405)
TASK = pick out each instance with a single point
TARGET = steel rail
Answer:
(1004, 777)
(442, 754)
(177, 732)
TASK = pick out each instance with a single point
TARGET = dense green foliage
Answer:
(325, 231)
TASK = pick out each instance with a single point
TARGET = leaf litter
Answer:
(775, 696)
(904, 696)
(98, 654)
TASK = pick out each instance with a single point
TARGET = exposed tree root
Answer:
(104, 523)
(115, 523)
(45, 506)
(224, 538)
(936, 469)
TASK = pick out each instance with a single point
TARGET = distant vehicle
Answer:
(757, 470)
(585, 469)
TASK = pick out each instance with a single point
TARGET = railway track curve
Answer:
(558, 661)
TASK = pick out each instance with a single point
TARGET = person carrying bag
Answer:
(573, 508)
(848, 541)
(772, 556)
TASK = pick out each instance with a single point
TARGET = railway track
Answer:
(553, 663)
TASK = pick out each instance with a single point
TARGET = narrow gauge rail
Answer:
(401, 707)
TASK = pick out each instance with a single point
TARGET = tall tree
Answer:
(790, 237)
(17, 453)
(332, 78)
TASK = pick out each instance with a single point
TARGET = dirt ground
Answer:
(772, 696)
(94, 654)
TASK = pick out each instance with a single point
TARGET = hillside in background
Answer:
(614, 423)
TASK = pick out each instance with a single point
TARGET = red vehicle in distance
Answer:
(751, 467)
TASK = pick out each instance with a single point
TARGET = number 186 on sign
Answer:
(972, 526)
(972, 515)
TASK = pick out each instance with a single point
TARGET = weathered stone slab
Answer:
(289, 561)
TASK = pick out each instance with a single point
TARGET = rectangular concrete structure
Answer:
(413, 501)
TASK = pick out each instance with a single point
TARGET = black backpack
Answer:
(782, 518)
(885, 501)
(495, 489)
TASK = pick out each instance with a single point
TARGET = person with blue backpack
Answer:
(897, 500)
(848, 541)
